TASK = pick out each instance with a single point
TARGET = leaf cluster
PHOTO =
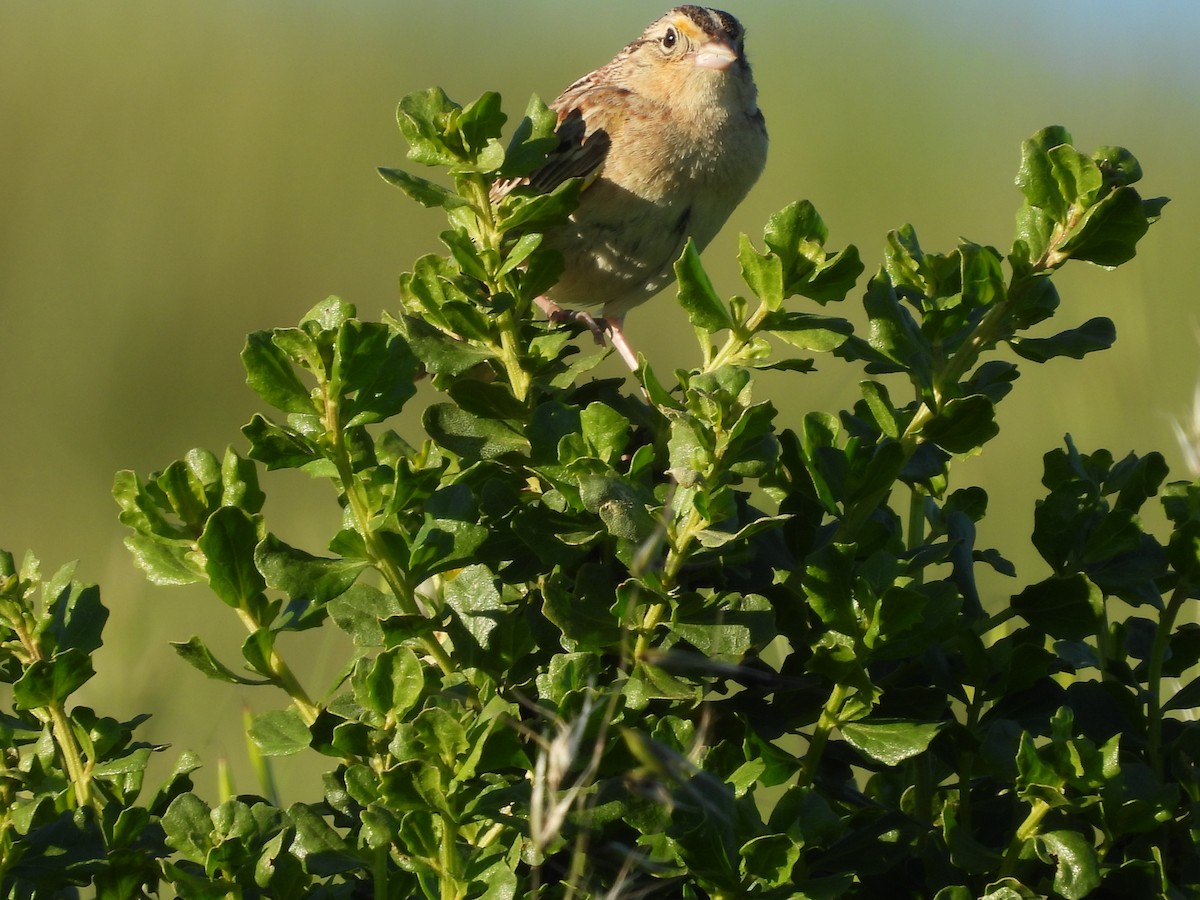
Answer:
(657, 641)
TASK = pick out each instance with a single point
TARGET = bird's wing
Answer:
(583, 140)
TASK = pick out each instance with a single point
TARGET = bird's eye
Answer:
(669, 39)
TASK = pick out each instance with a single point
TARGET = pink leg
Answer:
(557, 314)
(613, 325)
(620, 344)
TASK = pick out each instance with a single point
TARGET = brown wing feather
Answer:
(583, 142)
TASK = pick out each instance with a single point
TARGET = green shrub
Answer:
(612, 641)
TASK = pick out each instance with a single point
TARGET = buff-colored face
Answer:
(690, 45)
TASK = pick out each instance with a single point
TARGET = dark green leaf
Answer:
(374, 370)
(1185, 698)
(1068, 608)
(75, 616)
(1109, 232)
(705, 309)
(425, 192)
(196, 654)
(188, 824)
(807, 331)
(321, 849)
(963, 424)
(1076, 868)
(472, 437)
(278, 447)
(890, 742)
(532, 140)
(1036, 177)
(427, 120)
(270, 374)
(302, 575)
(49, 682)
(390, 684)
(358, 612)
(280, 732)
(763, 273)
(228, 543)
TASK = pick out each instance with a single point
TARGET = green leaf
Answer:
(317, 845)
(480, 124)
(278, 447)
(425, 192)
(427, 120)
(228, 543)
(195, 653)
(1109, 232)
(324, 319)
(963, 424)
(705, 309)
(269, 374)
(280, 732)
(1069, 608)
(890, 741)
(532, 140)
(374, 369)
(894, 334)
(390, 684)
(188, 826)
(358, 612)
(582, 608)
(1076, 867)
(443, 736)
(164, 562)
(472, 437)
(74, 617)
(1185, 698)
(1118, 166)
(807, 331)
(605, 430)
(1037, 178)
(531, 212)
(619, 505)
(881, 408)
(444, 544)
(477, 607)
(770, 859)
(519, 252)
(239, 482)
(49, 682)
(301, 575)
(763, 273)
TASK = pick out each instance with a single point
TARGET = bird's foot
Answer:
(558, 315)
(599, 327)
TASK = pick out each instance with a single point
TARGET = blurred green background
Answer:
(175, 175)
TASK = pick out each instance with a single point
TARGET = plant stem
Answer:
(676, 556)
(81, 779)
(379, 554)
(379, 877)
(283, 676)
(737, 340)
(60, 723)
(825, 725)
(1158, 653)
(1025, 831)
(510, 354)
(488, 238)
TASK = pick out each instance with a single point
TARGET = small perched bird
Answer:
(669, 139)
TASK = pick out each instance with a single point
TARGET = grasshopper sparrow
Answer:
(668, 138)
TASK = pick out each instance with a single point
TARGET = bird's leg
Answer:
(558, 315)
(612, 325)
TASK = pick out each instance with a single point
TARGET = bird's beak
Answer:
(716, 55)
